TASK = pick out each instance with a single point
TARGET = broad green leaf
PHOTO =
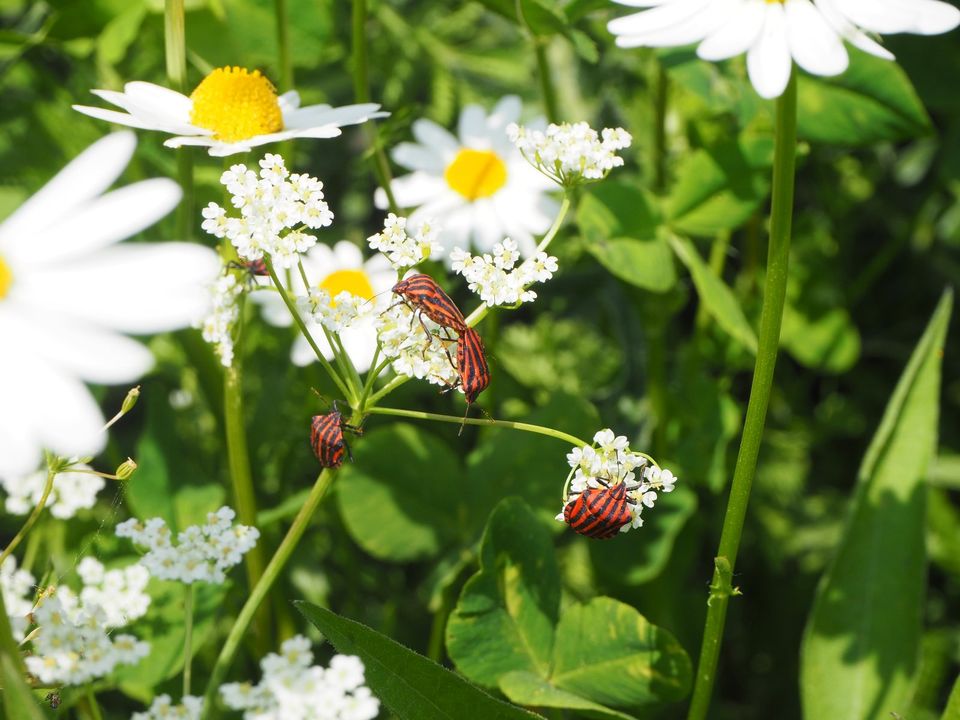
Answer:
(945, 471)
(719, 188)
(401, 498)
(18, 700)
(952, 711)
(860, 648)
(120, 33)
(614, 209)
(505, 618)
(873, 101)
(829, 342)
(410, 685)
(537, 692)
(648, 264)
(716, 297)
(539, 16)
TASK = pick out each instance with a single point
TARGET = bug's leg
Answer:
(347, 448)
(462, 424)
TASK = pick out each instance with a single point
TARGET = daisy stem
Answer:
(34, 515)
(187, 637)
(525, 427)
(283, 45)
(338, 381)
(546, 79)
(175, 46)
(781, 216)
(361, 93)
(259, 592)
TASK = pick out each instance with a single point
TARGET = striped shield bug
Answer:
(423, 295)
(326, 438)
(256, 268)
(472, 364)
(599, 512)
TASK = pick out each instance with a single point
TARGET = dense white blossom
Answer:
(292, 688)
(417, 352)
(568, 154)
(496, 279)
(217, 326)
(71, 491)
(163, 708)
(201, 553)
(17, 586)
(402, 249)
(120, 592)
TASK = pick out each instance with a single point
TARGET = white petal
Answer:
(768, 61)
(849, 32)
(506, 111)
(676, 23)
(926, 17)
(736, 36)
(472, 127)
(121, 118)
(290, 100)
(106, 220)
(418, 157)
(434, 136)
(347, 255)
(813, 43)
(149, 100)
(417, 188)
(315, 115)
(88, 175)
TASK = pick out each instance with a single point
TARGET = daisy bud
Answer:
(126, 469)
(130, 400)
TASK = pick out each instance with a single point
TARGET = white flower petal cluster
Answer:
(217, 326)
(74, 645)
(201, 553)
(119, 592)
(294, 689)
(569, 153)
(402, 249)
(275, 210)
(496, 279)
(776, 33)
(71, 492)
(335, 313)
(414, 354)
(162, 708)
(17, 586)
(610, 462)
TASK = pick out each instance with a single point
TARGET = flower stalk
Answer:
(187, 637)
(771, 316)
(175, 46)
(34, 515)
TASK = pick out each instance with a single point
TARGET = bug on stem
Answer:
(326, 438)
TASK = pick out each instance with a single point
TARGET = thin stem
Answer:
(547, 88)
(90, 705)
(361, 94)
(283, 45)
(38, 508)
(338, 381)
(187, 637)
(660, 97)
(372, 375)
(257, 595)
(175, 46)
(781, 216)
(525, 427)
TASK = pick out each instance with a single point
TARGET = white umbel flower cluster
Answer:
(402, 249)
(570, 154)
(217, 326)
(610, 462)
(201, 553)
(162, 708)
(119, 592)
(73, 645)
(17, 586)
(275, 210)
(294, 689)
(414, 354)
(496, 279)
(335, 313)
(72, 491)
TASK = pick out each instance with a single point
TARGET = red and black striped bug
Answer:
(256, 268)
(422, 294)
(326, 438)
(472, 364)
(599, 512)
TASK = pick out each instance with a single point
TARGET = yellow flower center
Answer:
(476, 173)
(6, 278)
(354, 282)
(236, 105)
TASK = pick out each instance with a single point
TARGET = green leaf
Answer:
(829, 342)
(537, 692)
(413, 687)
(400, 498)
(719, 188)
(860, 648)
(873, 101)
(539, 16)
(614, 209)
(716, 297)
(952, 711)
(18, 700)
(506, 614)
(648, 264)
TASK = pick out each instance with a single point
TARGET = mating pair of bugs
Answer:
(425, 297)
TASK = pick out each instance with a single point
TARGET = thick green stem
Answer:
(781, 215)
(657, 383)
(525, 427)
(38, 508)
(547, 88)
(175, 46)
(187, 637)
(90, 706)
(660, 96)
(361, 94)
(283, 45)
(259, 593)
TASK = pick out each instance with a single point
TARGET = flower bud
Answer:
(126, 469)
(130, 400)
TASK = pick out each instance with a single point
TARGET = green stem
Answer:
(90, 705)
(525, 427)
(38, 508)
(361, 94)
(717, 261)
(338, 381)
(657, 382)
(175, 46)
(781, 215)
(283, 45)
(257, 595)
(187, 637)
(660, 96)
(546, 79)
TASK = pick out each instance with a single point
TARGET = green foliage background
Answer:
(639, 324)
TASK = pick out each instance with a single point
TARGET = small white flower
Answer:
(571, 154)
(414, 354)
(71, 492)
(17, 586)
(775, 33)
(231, 111)
(494, 277)
(402, 249)
(217, 326)
(475, 185)
(163, 708)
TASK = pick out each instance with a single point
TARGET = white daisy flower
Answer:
(67, 295)
(476, 187)
(774, 33)
(336, 270)
(232, 110)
